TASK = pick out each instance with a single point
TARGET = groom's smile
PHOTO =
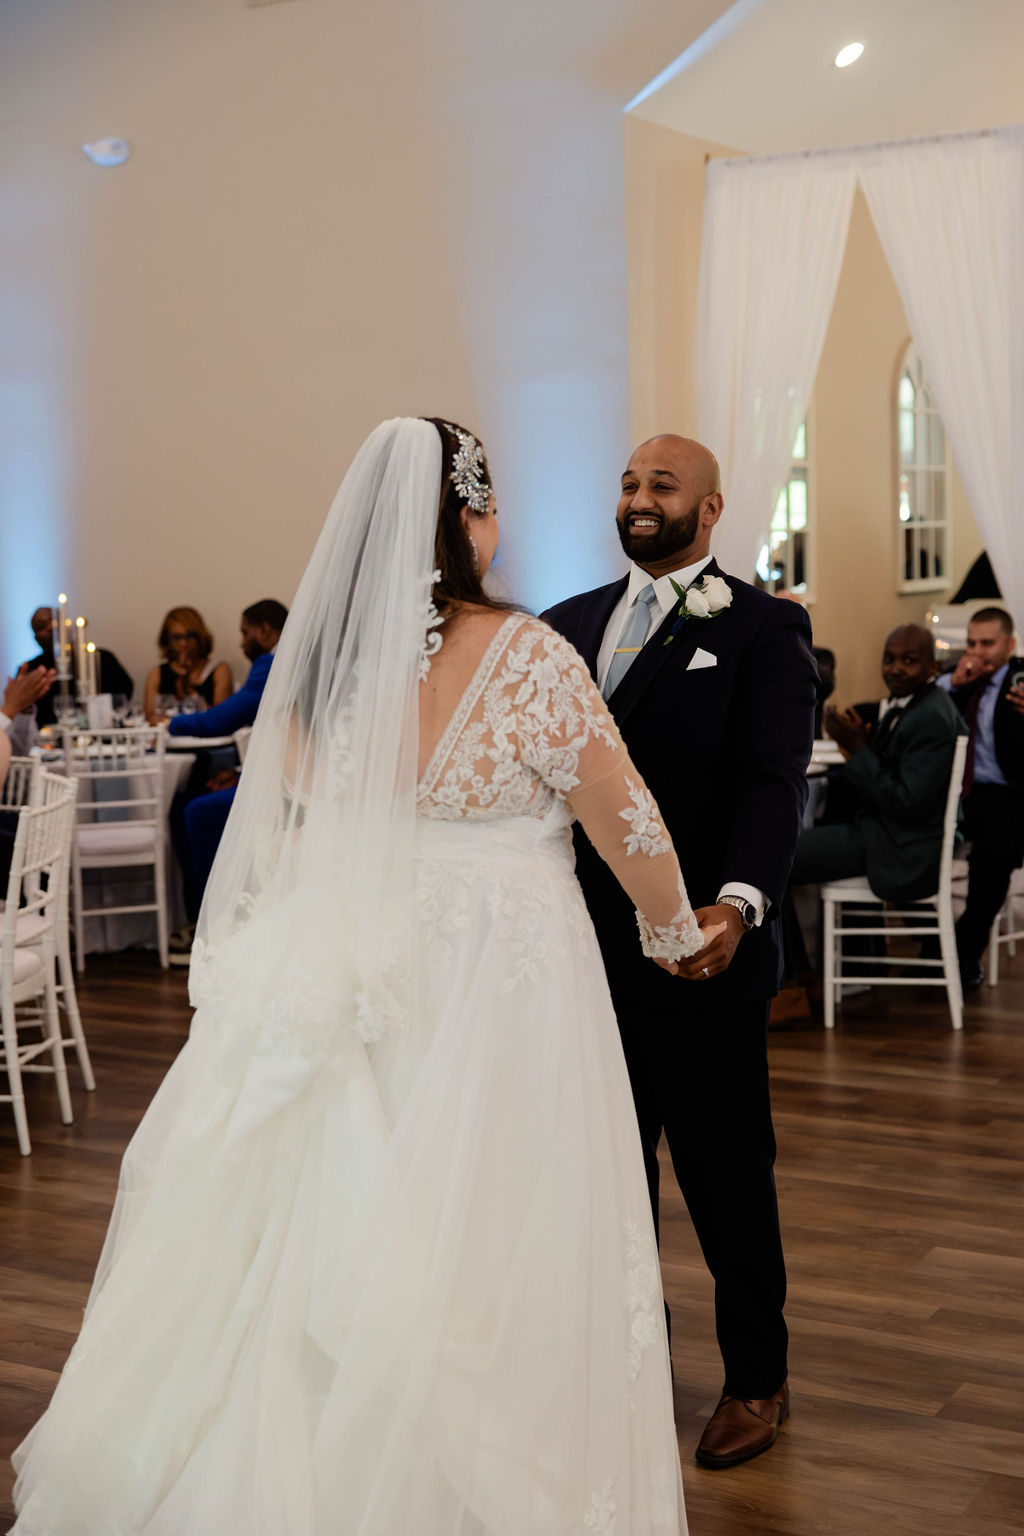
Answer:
(668, 504)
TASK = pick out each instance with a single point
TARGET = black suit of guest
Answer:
(112, 678)
(993, 813)
(724, 750)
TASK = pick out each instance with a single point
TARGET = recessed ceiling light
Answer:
(849, 55)
(108, 151)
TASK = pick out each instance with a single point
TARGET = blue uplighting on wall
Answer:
(561, 440)
(33, 541)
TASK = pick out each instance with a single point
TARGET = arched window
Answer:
(785, 561)
(923, 490)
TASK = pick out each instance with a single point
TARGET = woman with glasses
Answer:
(188, 680)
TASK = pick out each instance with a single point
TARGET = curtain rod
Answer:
(863, 149)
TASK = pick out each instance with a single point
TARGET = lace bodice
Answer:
(531, 736)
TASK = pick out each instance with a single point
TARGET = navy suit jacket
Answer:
(724, 750)
(1007, 725)
(232, 714)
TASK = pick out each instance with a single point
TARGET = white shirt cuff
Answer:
(758, 900)
(5, 721)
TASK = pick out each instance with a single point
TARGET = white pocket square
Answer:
(702, 659)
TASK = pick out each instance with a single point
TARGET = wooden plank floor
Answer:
(901, 1178)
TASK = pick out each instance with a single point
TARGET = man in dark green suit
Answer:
(894, 783)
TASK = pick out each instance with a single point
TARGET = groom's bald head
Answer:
(671, 499)
(690, 458)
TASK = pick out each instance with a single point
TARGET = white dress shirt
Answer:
(885, 706)
(667, 599)
(986, 764)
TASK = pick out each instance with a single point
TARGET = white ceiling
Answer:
(767, 82)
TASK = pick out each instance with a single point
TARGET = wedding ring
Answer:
(705, 972)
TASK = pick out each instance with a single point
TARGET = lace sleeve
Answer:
(568, 738)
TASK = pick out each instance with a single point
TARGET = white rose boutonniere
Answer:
(704, 600)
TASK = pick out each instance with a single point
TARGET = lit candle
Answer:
(80, 626)
(58, 633)
(90, 669)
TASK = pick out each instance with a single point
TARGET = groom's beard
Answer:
(674, 536)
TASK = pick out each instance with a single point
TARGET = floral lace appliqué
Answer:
(601, 1511)
(646, 834)
(432, 637)
(643, 1295)
(675, 940)
(513, 746)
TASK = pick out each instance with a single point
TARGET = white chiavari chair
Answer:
(120, 822)
(18, 787)
(1008, 926)
(34, 787)
(28, 979)
(920, 922)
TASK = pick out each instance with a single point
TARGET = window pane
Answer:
(800, 444)
(936, 440)
(798, 504)
(905, 513)
(925, 568)
(938, 496)
(908, 436)
(779, 560)
(906, 391)
(780, 517)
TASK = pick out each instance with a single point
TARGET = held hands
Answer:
(846, 727)
(722, 929)
(23, 691)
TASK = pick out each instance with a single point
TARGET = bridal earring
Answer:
(476, 555)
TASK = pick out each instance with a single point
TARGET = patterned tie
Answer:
(632, 641)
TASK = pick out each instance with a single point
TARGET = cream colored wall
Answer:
(664, 213)
(333, 214)
(856, 602)
(196, 342)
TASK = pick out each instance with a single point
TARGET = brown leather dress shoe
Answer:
(741, 1428)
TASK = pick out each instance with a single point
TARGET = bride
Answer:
(382, 1261)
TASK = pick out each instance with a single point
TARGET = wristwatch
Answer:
(746, 909)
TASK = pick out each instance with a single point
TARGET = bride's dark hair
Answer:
(453, 553)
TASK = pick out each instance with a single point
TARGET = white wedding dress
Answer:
(414, 1292)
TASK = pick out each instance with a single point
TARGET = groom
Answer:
(717, 710)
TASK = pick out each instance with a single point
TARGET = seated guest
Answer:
(894, 783)
(261, 629)
(198, 819)
(18, 722)
(111, 676)
(187, 677)
(987, 687)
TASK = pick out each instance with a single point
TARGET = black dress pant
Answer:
(700, 1074)
(994, 827)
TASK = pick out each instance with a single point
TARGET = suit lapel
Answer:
(659, 651)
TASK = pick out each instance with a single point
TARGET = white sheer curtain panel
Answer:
(950, 216)
(774, 236)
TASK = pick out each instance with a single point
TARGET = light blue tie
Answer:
(631, 644)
